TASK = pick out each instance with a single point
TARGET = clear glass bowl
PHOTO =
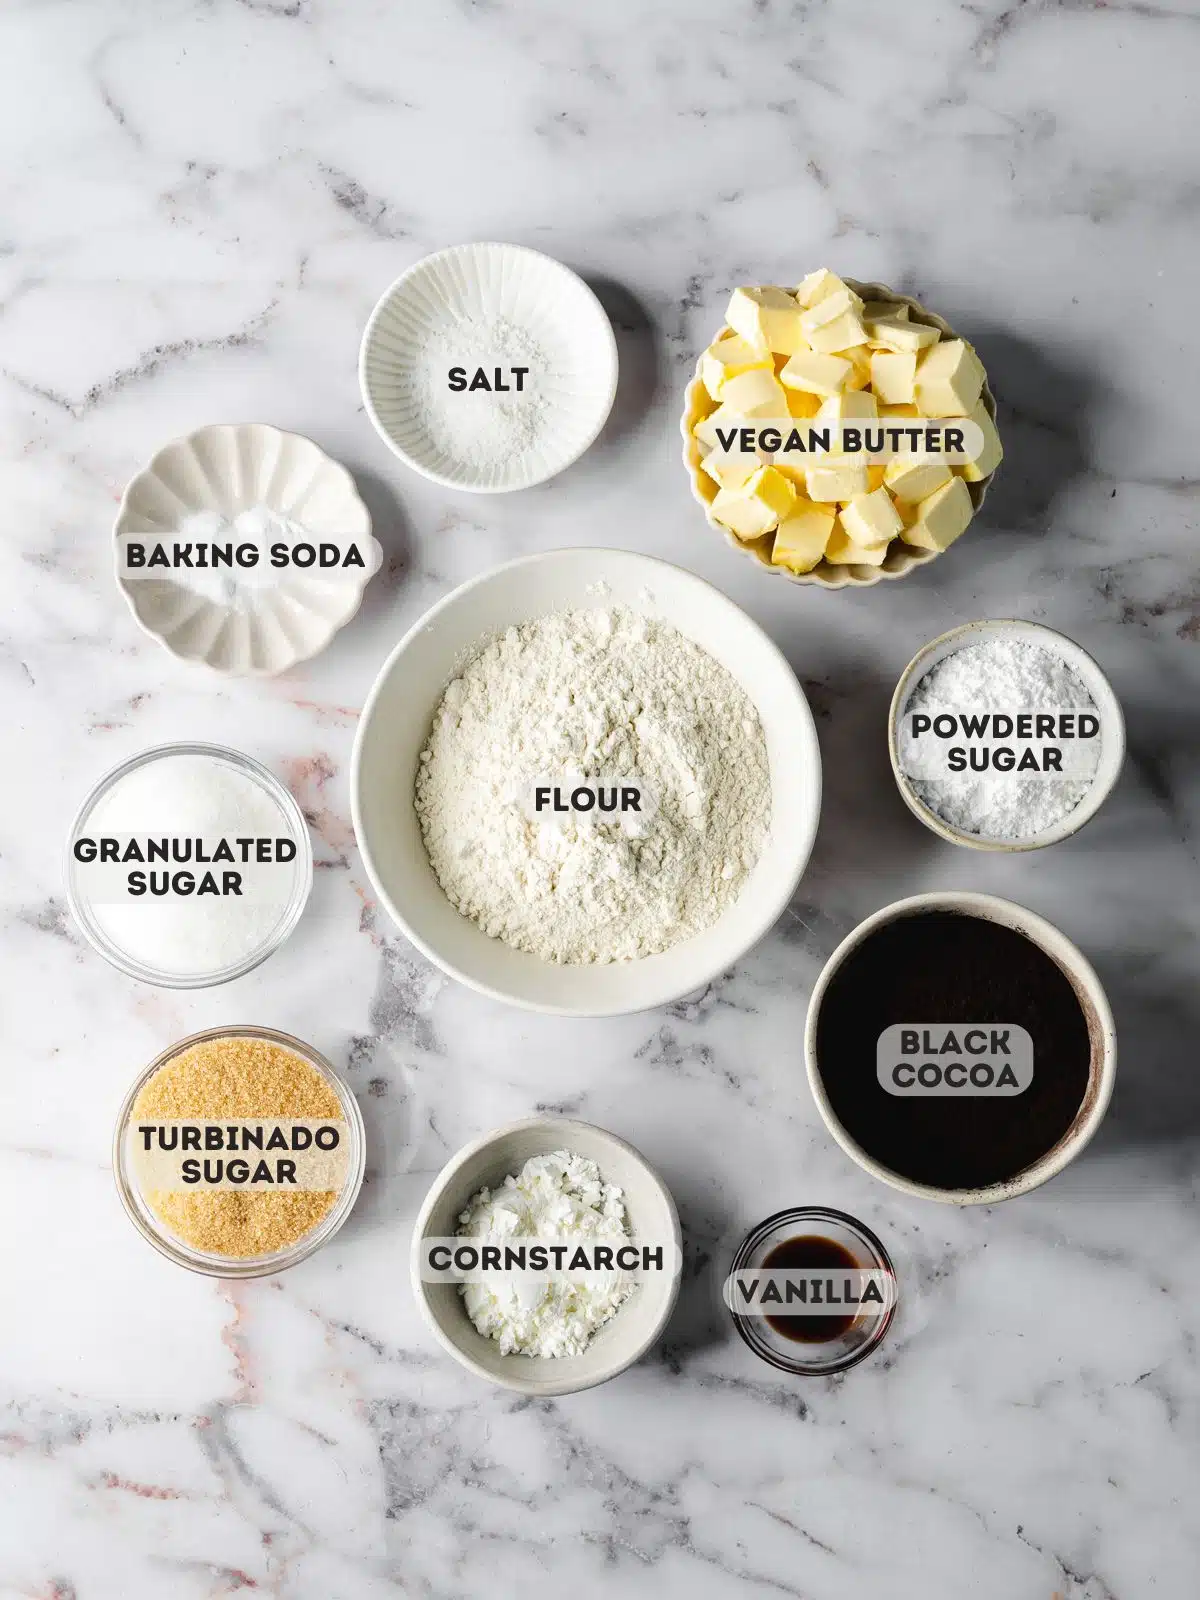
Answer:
(844, 1349)
(100, 940)
(216, 1266)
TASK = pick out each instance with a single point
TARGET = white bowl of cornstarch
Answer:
(763, 749)
(488, 367)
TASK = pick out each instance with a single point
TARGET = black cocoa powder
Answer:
(948, 968)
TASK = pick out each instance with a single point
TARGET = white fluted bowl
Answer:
(487, 284)
(229, 468)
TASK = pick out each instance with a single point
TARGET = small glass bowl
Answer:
(844, 1350)
(215, 1266)
(294, 819)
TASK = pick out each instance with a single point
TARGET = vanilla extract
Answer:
(815, 1255)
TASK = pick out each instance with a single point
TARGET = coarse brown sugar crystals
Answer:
(236, 1147)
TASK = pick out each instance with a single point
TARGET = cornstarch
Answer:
(601, 694)
(554, 1197)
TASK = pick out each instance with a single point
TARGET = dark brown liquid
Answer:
(810, 1253)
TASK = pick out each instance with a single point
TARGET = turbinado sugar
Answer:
(231, 1079)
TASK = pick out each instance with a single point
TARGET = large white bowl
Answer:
(396, 721)
(651, 1218)
(481, 284)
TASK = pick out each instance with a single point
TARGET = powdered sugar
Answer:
(1010, 676)
(594, 694)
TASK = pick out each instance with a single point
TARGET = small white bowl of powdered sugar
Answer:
(1005, 735)
(586, 783)
(488, 367)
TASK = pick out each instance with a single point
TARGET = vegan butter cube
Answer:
(820, 375)
(802, 404)
(758, 506)
(768, 318)
(894, 332)
(801, 537)
(992, 454)
(874, 309)
(754, 394)
(843, 333)
(843, 552)
(837, 478)
(940, 518)
(949, 379)
(827, 309)
(914, 477)
(705, 431)
(871, 519)
(892, 375)
(849, 404)
(899, 411)
(860, 366)
(819, 285)
(730, 469)
(728, 358)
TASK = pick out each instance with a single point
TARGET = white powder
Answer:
(481, 429)
(1011, 676)
(555, 1197)
(187, 797)
(237, 587)
(596, 694)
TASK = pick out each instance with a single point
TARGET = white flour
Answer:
(555, 1197)
(1006, 675)
(601, 694)
(481, 429)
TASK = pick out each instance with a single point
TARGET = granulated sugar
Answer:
(602, 694)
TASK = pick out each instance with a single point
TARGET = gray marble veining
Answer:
(199, 203)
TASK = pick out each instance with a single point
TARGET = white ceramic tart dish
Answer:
(651, 1219)
(901, 558)
(395, 725)
(227, 470)
(457, 300)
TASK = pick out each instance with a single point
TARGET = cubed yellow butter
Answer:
(768, 318)
(802, 404)
(915, 477)
(874, 476)
(728, 358)
(754, 394)
(992, 454)
(839, 478)
(849, 404)
(801, 537)
(705, 431)
(814, 374)
(892, 374)
(818, 286)
(827, 309)
(940, 518)
(731, 469)
(843, 333)
(899, 411)
(892, 332)
(949, 379)
(860, 366)
(842, 551)
(874, 309)
(871, 518)
(757, 506)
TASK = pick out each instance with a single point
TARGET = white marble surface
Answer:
(199, 202)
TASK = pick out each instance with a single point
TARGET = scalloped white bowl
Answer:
(228, 468)
(487, 283)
